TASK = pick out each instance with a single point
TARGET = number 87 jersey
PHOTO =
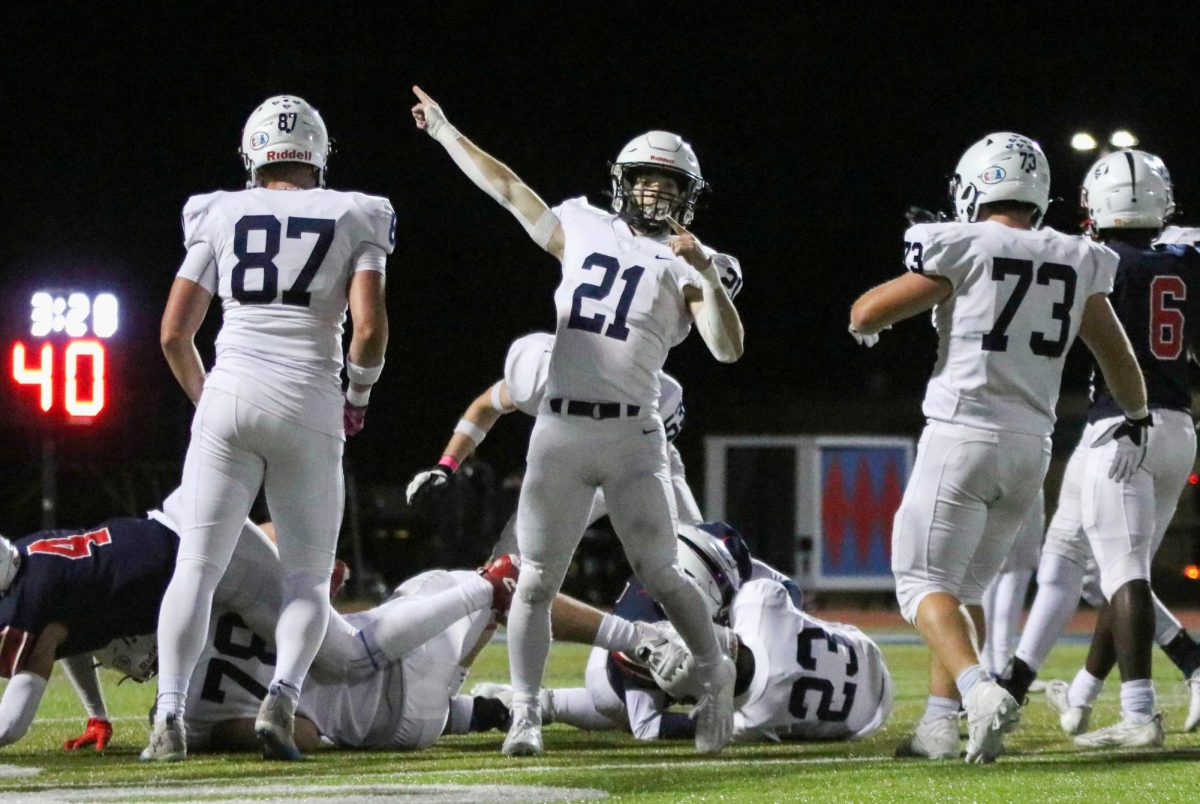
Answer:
(620, 307)
(1017, 300)
(281, 261)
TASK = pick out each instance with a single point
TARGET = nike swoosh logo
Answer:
(651, 430)
(661, 257)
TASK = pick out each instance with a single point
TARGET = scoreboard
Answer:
(57, 347)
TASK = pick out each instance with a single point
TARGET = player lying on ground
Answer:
(522, 388)
(598, 426)
(1002, 342)
(1128, 195)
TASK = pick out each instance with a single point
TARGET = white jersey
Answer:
(1184, 235)
(813, 680)
(620, 309)
(282, 261)
(230, 679)
(1004, 332)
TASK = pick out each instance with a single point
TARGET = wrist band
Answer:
(471, 431)
(449, 462)
(358, 398)
(362, 375)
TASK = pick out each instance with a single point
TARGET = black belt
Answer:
(594, 410)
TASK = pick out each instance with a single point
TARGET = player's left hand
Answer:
(1132, 437)
(353, 417)
(685, 244)
(97, 732)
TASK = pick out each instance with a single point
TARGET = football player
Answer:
(67, 594)
(633, 282)
(1009, 298)
(287, 258)
(1128, 196)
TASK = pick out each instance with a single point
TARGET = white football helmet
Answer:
(136, 657)
(284, 128)
(705, 560)
(1001, 167)
(660, 151)
(10, 562)
(1127, 190)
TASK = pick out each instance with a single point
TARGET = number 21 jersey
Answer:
(281, 261)
(1003, 333)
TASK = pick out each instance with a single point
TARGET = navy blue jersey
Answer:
(1157, 297)
(101, 584)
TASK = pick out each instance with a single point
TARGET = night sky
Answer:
(815, 126)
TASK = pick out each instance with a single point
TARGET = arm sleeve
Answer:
(81, 670)
(19, 705)
(930, 251)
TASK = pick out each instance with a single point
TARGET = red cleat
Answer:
(341, 574)
(502, 573)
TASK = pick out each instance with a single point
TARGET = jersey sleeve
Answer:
(1106, 263)
(932, 250)
(378, 237)
(195, 219)
(200, 263)
(728, 268)
(670, 404)
(525, 370)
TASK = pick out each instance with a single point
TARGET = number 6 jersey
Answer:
(281, 261)
(1004, 331)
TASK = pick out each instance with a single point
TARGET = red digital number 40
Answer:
(42, 375)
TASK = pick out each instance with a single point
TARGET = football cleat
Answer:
(1126, 734)
(991, 713)
(504, 694)
(933, 739)
(525, 735)
(1193, 715)
(714, 710)
(1072, 719)
(502, 573)
(167, 742)
(275, 727)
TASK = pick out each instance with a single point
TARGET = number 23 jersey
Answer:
(813, 680)
(1003, 333)
(281, 261)
(620, 308)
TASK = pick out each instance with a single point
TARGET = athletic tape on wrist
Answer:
(362, 375)
(471, 431)
(358, 398)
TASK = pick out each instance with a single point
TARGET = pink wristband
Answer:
(449, 462)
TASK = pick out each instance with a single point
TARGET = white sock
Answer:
(301, 627)
(1137, 700)
(938, 707)
(403, 624)
(1011, 588)
(1085, 688)
(575, 707)
(182, 628)
(970, 678)
(1060, 583)
(616, 633)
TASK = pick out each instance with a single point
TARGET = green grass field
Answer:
(1042, 765)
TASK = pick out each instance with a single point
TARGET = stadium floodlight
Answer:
(1122, 138)
(1082, 141)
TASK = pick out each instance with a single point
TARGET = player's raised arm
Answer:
(476, 422)
(492, 176)
(186, 307)
(894, 301)
(716, 318)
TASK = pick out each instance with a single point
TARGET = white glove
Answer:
(863, 340)
(672, 665)
(1132, 437)
(427, 481)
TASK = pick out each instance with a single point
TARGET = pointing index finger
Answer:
(420, 93)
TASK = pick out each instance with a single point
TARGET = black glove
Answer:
(488, 714)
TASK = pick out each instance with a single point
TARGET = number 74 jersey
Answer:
(1004, 332)
(813, 680)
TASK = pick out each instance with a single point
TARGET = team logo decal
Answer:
(259, 139)
(993, 174)
(1100, 170)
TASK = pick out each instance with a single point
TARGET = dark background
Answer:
(816, 124)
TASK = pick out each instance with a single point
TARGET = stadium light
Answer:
(1122, 138)
(1082, 141)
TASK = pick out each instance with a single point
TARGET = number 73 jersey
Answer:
(1003, 333)
(813, 680)
(620, 308)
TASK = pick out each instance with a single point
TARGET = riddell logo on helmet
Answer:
(654, 158)
(289, 155)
